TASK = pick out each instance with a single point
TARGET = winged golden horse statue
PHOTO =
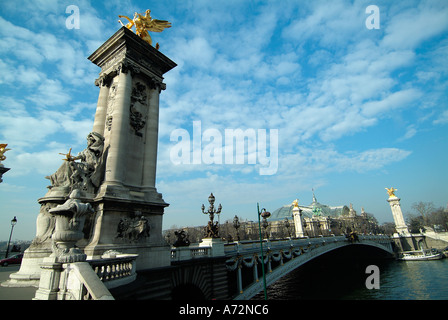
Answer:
(3, 149)
(391, 192)
(145, 23)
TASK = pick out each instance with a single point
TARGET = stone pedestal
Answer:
(30, 269)
(216, 245)
(40, 248)
(49, 282)
(400, 225)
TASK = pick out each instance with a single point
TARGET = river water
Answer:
(398, 280)
(408, 280)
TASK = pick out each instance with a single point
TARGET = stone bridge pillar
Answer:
(116, 173)
(129, 209)
(403, 238)
(394, 203)
(296, 212)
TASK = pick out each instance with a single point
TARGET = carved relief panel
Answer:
(138, 108)
(110, 105)
(135, 228)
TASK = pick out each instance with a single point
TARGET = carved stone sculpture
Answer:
(138, 108)
(85, 175)
(134, 229)
(182, 239)
(70, 217)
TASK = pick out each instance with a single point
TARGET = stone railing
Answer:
(251, 246)
(85, 280)
(187, 253)
(115, 270)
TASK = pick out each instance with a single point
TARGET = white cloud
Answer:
(392, 102)
(327, 23)
(50, 93)
(410, 132)
(43, 162)
(196, 52)
(410, 27)
(442, 119)
(319, 161)
(27, 131)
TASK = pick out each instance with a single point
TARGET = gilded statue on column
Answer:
(3, 149)
(391, 192)
(145, 23)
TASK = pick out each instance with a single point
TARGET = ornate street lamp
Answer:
(13, 223)
(265, 222)
(212, 229)
(236, 225)
(265, 214)
(287, 225)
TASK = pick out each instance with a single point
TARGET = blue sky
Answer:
(356, 109)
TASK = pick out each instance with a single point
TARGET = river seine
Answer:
(398, 280)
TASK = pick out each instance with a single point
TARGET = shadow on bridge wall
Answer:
(329, 276)
(330, 261)
(200, 279)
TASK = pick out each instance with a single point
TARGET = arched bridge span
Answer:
(225, 271)
(282, 257)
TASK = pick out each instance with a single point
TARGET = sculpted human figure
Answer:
(86, 174)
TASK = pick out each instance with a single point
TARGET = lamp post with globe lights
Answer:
(264, 214)
(212, 229)
(13, 223)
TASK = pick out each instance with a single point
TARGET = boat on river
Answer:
(421, 255)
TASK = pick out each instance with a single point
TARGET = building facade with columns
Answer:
(318, 219)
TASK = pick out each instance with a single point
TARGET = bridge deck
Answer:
(279, 256)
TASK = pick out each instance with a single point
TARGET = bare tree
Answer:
(424, 209)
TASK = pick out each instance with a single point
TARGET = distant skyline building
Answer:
(314, 209)
(321, 219)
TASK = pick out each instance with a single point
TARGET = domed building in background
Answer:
(317, 220)
(320, 219)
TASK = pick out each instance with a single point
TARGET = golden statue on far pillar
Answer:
(3, 149)
(145, 23)
(295, 203)
(391, 192)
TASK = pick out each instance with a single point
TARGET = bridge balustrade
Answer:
(277, 253)
(191, 252)
(87, 280)
(253, 246)
(280, 256)
(115, 271)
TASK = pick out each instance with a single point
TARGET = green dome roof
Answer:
(313, 209)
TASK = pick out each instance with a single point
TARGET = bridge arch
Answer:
(191, 282)
(299, 257)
